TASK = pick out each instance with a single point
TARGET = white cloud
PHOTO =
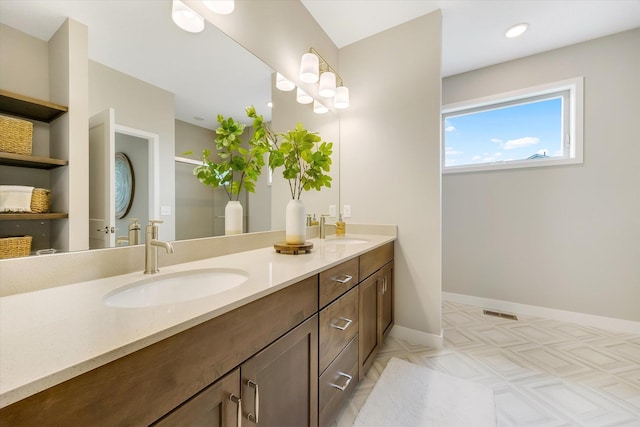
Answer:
(450, 151)
(450, 128)
(496, 140)
(521, 142)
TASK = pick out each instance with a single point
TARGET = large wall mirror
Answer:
(162, 81)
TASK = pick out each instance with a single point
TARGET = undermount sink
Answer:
(175, 287)
(346, 240)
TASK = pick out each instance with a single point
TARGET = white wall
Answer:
(389, 138)
(565, 237)
(390, 156)
(137, 151)
(145, 107)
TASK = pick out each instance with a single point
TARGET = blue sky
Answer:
(512, 133)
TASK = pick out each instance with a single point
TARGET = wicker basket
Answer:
(15, 135)
(40, 200)
(13, 247)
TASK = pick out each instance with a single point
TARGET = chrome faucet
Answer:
(324, 225)
(151, 247)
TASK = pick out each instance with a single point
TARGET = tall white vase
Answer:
(295, 226)
(233, 218)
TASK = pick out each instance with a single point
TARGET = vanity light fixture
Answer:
(327, 87)
(186, 18)
(309, 66)
(319, 108)
(314, 67)
(190, 20)
(341, 100)
(283, 84)
(516, 30)
(223, 7)
(303, 97)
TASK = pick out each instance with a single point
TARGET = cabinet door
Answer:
(368, 323)
(280, 384)
(385, 301)
(217, 405)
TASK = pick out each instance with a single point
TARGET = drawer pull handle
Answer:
(343, 278)
(346, 383)
(256, 402)
(235, 399)
(342, 327)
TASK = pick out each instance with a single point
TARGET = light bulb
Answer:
(309, 65)
(283, 84)
(327, 84)
(341, 99)
(223, 7)
(319, 108)
(516, 30)
(186, 18)
(303, 98)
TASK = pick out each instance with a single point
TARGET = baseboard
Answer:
(601, 322)
(417, 337)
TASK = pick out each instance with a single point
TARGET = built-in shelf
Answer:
(36, 162)
(30, 108)
(30, 216)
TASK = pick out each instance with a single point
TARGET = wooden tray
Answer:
(285, 248)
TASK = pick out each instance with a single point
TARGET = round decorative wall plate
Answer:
(125, 185)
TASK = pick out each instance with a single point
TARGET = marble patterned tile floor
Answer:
(543, 372)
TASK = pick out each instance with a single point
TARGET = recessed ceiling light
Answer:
(516, 30)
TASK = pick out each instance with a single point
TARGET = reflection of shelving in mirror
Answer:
(30, 108)
(38, 110)
(36, 162)
(37, 216)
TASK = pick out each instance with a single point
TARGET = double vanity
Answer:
(248, 338)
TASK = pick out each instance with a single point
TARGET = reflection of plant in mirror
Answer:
(238, 166)
(305, 158)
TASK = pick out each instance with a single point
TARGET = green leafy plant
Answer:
(238, 166)
(306, 159)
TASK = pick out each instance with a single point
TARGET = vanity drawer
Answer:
(338, 326)
(337, 383)
(375, 259)
(338, 280)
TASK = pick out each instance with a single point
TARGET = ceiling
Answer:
(210, 74)
(473, 30)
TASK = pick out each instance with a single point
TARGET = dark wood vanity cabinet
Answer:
(375, 303)
(291, 358)
(218, 405)
(279, 388)
(280, 384)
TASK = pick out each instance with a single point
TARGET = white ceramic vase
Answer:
(233, 218)
(295, 226)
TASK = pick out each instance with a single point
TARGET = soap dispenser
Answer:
(341, 227)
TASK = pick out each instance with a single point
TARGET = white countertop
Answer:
(52, 335)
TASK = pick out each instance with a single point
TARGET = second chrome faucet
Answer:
(151, 247)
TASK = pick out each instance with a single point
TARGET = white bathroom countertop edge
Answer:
(52, 335)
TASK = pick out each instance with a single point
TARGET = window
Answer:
(540, 126)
